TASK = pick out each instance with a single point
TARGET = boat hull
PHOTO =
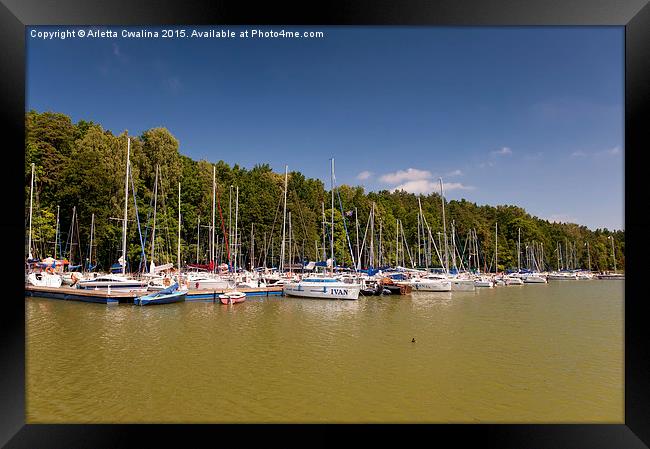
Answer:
(338, 291)
(462, 285)
(431, 286)
(161, 299)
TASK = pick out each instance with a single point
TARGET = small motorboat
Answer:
(232, 297)
(166, 296)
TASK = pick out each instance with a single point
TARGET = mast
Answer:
(56, 232)
(236, 242)
(381, 248)
(324, 243)
(178, 256)
(153, 230)
(496, 247)
(518, 249)
(444, 227)
(356, 218)
(372, 235)
(332, 233)
(213, 247)
(231, 242)
(453, 245)
(284, 220)
(588, 256)
(290, 247)
(92, 233)
(31, 194)
(198, 238)
(613, 253)
(396, 242)
(74, 213)
(126, 203)
(252, 248)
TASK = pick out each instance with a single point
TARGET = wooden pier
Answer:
(102, 296)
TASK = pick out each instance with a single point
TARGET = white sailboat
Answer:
(118, 281)
(321, 286)
(44, 278)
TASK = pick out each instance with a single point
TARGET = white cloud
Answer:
(503, 151)
(614, 151)
(364, 175)
(454, 173)
(411, 174)
(427, 186)
(578, 154)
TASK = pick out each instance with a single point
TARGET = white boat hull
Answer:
(426, 285)
(462, 285)
(534, 280)
(44, 280)
(327, 291)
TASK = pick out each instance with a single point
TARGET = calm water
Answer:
(533, 353)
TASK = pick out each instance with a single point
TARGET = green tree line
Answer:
(82, 165)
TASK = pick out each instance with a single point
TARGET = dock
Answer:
(115, 297)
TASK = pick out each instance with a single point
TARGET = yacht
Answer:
(114, 281)
(322, 288)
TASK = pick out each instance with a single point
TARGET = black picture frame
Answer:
(634, 15)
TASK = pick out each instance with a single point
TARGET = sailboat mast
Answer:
(322, 204)
(153, 230)
(332, 229)
(252, 248)
(496, 247)
(92, 234)
(56, 232)
(290, 247)
(356, 218)
(178, 250)
(198, 239)
(588, 257)
(453, 244)
(213, 246)
(518, 249)
(236, 242)
(444, 227)
(396, 242)
(372, 235)
(31, 194)
(126, 203)
(284, 220)
(231, 241)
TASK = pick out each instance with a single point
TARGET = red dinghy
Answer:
(232, 297)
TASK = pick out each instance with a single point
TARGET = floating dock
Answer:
(126, 297)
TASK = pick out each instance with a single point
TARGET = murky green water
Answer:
(534, 353)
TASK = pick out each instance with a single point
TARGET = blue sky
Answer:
(531, 116)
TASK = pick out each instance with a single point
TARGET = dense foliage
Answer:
(83, 165)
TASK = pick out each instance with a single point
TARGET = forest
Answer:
(83, 166)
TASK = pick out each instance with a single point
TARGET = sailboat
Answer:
(166, 296)
(234, 296)
(321, 286)
(112, 280)
(46, 277)
(612, 276)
